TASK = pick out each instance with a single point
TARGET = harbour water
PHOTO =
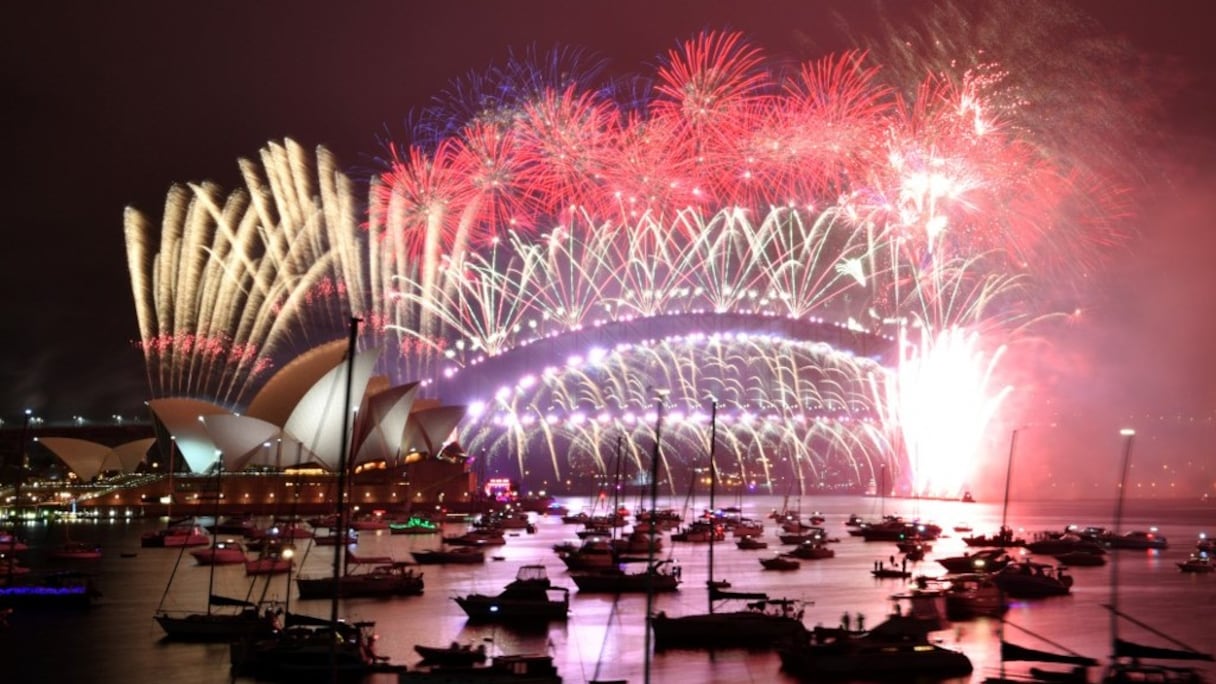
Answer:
(118, 641)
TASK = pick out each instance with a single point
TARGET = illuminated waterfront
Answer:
(118, 641)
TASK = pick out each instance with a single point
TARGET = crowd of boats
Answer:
(616, 555)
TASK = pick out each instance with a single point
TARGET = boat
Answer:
(177, 534)
(10, 544)
(455, 654)
(699, 531)
(1136, 539)
(1011, 652)
(1030, 579)
(459, 554)
(477, 537)
(277, 562)
(413, 525)
(1199, 562)
(593, 553)
(896, 648)
(760, 623)
(331, 538)
(394, 578)
(57, 590)
(781, 562)
(226, 619)
(894, 528)
(984, 560)
(227, 552)
(1052, 543)
(812, 550)
(883, 571)
(311, 650)
(315, 648)
(972, 595)
(750, 543)
(529, 598)
(502, 669)
(1131, 661)
(73, 550)
(1080, 559)
(241, 526)
(660, 576)
(1003, 539)
(809, 534)
(747, 528)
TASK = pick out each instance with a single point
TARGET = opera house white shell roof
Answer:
(89, 459)
(384, 424)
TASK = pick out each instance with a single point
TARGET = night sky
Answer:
(110, 103)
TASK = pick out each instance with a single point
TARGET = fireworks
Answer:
(669, 234)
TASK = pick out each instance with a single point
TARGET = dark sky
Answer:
(108, 103)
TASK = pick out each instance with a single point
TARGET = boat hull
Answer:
(216, 627)
(737, 629)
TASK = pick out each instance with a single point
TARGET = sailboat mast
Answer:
(713, 481)
(1013, 440)
(1128, 436)
(654, 495)
(616, 486)
(340, 546)
(215, 532)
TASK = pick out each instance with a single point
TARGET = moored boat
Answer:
(227, 552)
(1030, 579)
(529, 598)
(898, 647)
(661, 576)
(502, 669)
(459, 554)
(761, 623)
(984, 560)
(1199, 562)
(455, 654)
(176, 535)
(385, 579)
(226, 620)
(781, 562)
(750, 543)
(77, 551)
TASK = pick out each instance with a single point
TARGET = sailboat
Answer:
(225, 618)
(1132, 662)
(318, 648)
(352, 576)
(1013, 652)
(656, 576)
(760, 624)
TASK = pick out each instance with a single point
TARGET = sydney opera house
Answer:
(281, 456)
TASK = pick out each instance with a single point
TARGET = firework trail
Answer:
(539, 203)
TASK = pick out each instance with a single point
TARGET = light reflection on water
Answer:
(119, 642)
